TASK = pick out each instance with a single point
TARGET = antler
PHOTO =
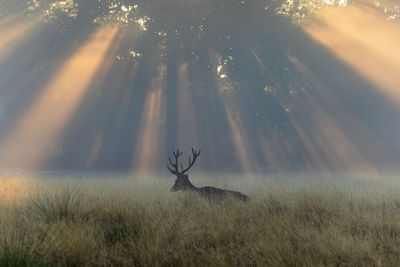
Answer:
(174, 168)
(191, 163)
(176, 154)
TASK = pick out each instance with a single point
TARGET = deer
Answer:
(182, 182)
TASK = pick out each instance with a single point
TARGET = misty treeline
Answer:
(260, 92)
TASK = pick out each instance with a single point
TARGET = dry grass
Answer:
(106, 224)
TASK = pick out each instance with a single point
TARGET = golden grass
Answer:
(109, 223)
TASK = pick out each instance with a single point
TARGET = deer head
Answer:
(182, 180)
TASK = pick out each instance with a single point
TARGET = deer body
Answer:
(182, 182)
(219, 194)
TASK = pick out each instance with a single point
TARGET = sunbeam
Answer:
(276, 151)
(151, 139)
(187, 124)
(35, 137)
(233, 115)
(13, 34)
(117, 100)
(325, 138)
(94, 151)
(365, 39)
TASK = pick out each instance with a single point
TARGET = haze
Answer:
(260, 86)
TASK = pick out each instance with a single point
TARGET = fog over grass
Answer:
(290, 221)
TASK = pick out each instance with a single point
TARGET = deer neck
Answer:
(191, 187)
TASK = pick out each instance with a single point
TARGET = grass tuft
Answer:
(63, 204)
(87, 226)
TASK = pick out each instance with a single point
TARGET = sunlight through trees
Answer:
(259, 85)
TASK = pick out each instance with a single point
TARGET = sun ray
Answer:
(366, 40)
(275, 151)
(259, 61)
(13, 34)
(324, 137)
(322, 140)
(10, 19)
(151, 138)
(35, 137)
(234, 118)
(187, 125)
(94, 151)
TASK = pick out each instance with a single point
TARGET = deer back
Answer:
(214, 193)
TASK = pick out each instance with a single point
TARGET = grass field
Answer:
(89, 222)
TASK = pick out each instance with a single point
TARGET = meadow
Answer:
(126, 222)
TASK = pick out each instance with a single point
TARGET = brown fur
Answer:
(182, 182)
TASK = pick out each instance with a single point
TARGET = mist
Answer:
(260, 87)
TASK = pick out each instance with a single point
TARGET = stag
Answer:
(182, 182)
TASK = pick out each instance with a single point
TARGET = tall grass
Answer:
(75, 225)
